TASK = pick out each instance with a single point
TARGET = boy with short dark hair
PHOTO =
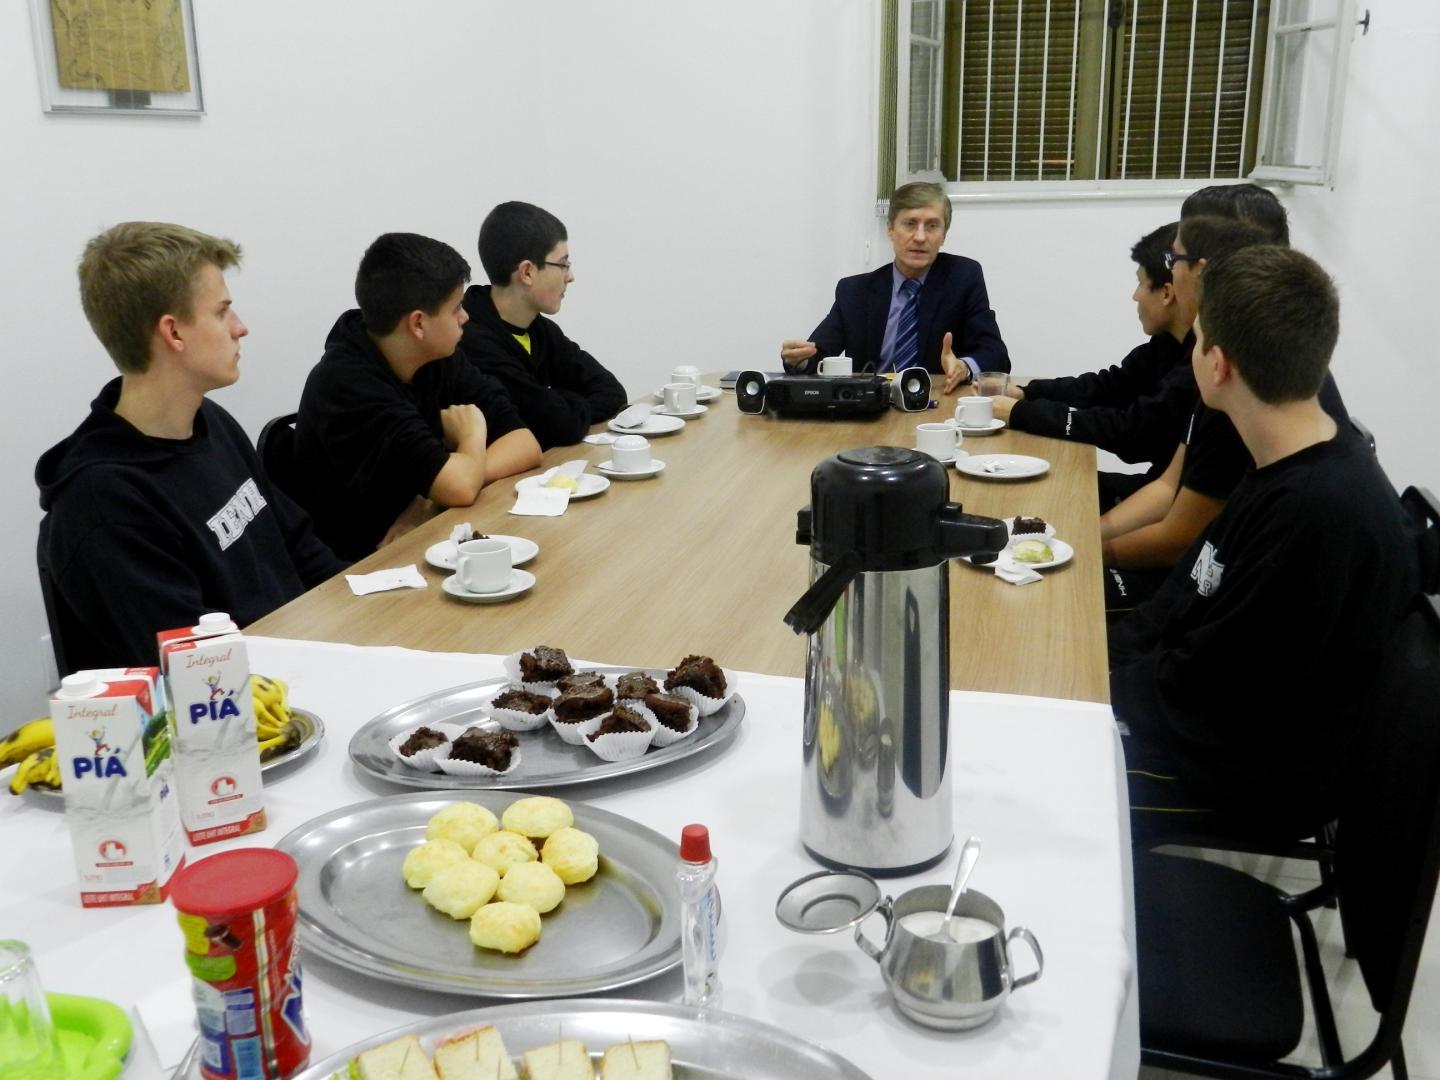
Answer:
(1249, 203)
(1136, 409)
(158, 509)
(559, 389)
(391, 420)
(1246, 682)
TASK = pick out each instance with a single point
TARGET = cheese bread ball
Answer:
(537, 816)
(423, 862)
(532, 883)
(459, 889)
(504, 849)
(466, 823)
(505, 927)
(572, 854)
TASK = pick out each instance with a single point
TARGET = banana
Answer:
(32, 770)
(50, 775)
(20, 744)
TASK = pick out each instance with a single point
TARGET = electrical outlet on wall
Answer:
(47, 658)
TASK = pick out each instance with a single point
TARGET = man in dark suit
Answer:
(926, 308)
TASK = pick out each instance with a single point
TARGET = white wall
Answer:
(714, 164)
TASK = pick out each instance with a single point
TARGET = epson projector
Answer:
(837, 396)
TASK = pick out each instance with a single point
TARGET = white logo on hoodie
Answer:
(229, 524)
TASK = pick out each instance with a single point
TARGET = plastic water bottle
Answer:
(696, 875)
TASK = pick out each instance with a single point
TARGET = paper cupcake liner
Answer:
(664, 736)
(516, 719)
(706, 705)
(625, 745)
(574, 734)
(425, 760)
(511, 665)
(474, 768)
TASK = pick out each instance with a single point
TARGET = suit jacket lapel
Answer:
(877, 311)
(930, 297)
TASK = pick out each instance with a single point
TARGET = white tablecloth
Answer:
(1038, 779)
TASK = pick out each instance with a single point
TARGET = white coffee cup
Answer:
(974, 412)
(679, 397)
(940, 441)
(483, 566)
(630, 453)
(687, 373)
(836, 366)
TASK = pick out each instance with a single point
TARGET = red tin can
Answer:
(238, 910)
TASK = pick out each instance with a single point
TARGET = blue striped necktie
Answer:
(907, 335)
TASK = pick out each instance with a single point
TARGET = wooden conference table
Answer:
(702, 558)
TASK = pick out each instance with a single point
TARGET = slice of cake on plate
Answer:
(564, 1060)
(475, 1055)
(399, 1059)
(649, 1060)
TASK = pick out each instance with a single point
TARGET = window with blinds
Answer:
(1101, 89)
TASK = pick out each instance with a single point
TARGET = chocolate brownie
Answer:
(583, 704)
(422, 738)
(489, 748)
(621, 720)
(518, 700)
(1024, 525)
(580, 679)
(672, 711)
(635, 684)
(544, 664)
(700, 673)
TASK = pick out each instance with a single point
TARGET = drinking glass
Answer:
(29, 1049)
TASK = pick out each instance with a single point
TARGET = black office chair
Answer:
(276, 447)
(1219, 978)
(1364, 432)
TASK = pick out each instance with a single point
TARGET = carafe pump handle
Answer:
(814, 607)
(981, 538)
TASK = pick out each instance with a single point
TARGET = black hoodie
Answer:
(558, 388)
(145, 534)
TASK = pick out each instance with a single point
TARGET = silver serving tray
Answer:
(619, 928)
(303, 722)
(722, 1046)
(546, 760)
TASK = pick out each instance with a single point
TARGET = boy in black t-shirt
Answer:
(392, 421)
(1246, 681)
(559, 389)
(157, 507)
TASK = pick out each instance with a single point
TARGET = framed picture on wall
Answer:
(122, 57)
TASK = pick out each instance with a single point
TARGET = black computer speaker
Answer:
(910, 391)
(750, 392)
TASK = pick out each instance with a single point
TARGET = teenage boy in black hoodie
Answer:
(1246, 684)
(391, 420)
(157, 507)
(559, 389)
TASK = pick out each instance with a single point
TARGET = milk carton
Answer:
(118, 775)
(217, 762)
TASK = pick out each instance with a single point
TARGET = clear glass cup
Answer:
(992, 384)
(29, 1049)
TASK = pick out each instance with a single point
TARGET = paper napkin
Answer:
(1016, 573)
(462, 532)
(541, 502)
(635, 416)
(600, 438)
(400, 577)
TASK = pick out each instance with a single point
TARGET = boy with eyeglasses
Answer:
(559, 389)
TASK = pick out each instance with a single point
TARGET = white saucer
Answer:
(589, 484)
(947, 460)
(704, 393)
(653, 425)
(520, 581)
(684, 414)
(1063, 554)
(655, 469)
(1002, 466)
(993, 426)
(442, 555)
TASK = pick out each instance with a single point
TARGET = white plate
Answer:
(684, 414)
(520, 581)
(1063, 554)
(608, 468)
(1002, 466)
(589, 484)
(653, 425)
(705, 393)
(442, 555)
(993, 426)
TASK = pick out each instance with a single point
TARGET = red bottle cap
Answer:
(235, 881)
(695, 844)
